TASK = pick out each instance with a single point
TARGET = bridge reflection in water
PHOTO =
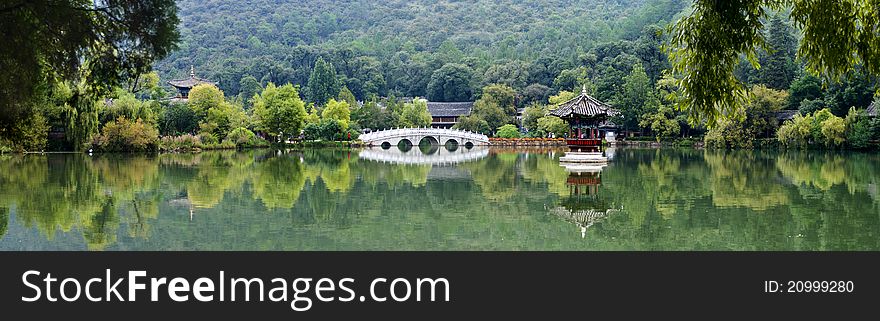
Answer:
(584, 206)
(435, 155)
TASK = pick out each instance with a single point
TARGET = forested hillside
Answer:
(394, 47)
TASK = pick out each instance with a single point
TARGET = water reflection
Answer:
(584, 205)
(493, 199)
(437, 155)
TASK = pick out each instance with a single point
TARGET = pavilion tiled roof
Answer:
(583, 105)
(784, 115)
(190, 82)
(454, 109)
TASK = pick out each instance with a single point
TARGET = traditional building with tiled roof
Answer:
(185, 85)
(588, 119)
(445, 115)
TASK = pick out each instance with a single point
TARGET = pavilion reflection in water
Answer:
(584, 206)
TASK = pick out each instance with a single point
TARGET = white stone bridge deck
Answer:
(415, 135)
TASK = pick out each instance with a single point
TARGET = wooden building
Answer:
(185, 85)
(588, 120)
(446, 115)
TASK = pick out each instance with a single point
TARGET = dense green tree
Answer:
(553, 125)
(837, 36)
(204, 97)
(126, 105)
(248, 87)
(473, 123)
(637, 92)
(648, 48)
(535, 93)
(507, 131)
(561, 97)
(803, 88)
(610, 76)
(491, 112)
(513, 73)
(145, 86)
(241, 137)
(531, 115)
(809, 106)
(81, 42)
(222, 119)
(779, 69)
(4, 221)
(451, 83)
(414, 114)
(279, 111)
(178, 119)
(755, 120)
(853, 90)
(660, 119)
(313, 117)
(366, 78)
(545, 69)
(323, 84)
(501, 95)
(373, 117)
(348, 97)
(571, 79)
(858, 129)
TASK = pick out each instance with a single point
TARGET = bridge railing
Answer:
(428, 131)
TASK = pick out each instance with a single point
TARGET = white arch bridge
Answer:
(415, 135)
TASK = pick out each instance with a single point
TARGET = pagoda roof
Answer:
(583, 105)
(190, 82)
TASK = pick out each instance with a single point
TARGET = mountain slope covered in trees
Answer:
(394, 47)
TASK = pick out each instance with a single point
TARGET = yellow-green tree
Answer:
(338, 110)
(279, 110)
(203, 97)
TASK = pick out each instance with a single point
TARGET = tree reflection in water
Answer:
(333, 199)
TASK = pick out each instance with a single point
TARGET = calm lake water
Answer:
(433, 199)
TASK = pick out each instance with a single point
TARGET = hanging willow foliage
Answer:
(705, 46)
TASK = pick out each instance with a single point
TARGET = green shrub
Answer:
(124, 135)
(821, 128)
(507, 131)
(185, 142)
(833, 131)
(858, 129)
(241, 137)
(795, 132)
(553, 125)
(208, 138)
(326, 129)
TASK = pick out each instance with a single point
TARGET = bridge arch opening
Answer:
(451, 145)
(469, 145)
(429, 149)
(404, 145)
(386, 145)
(429, 140)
